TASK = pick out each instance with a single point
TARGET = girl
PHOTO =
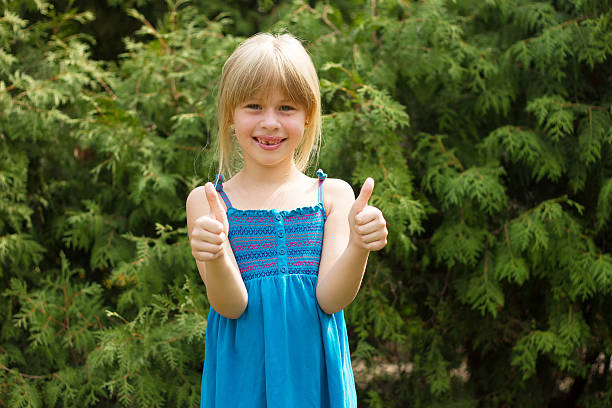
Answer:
(283, 258)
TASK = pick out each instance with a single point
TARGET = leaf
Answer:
(604, 203)
(484, 294)
(480, 184)
(592, 135)
(529, 347)
(458, 243)
(525, 146)
(554, 114)
(511, 267)
(436, 372)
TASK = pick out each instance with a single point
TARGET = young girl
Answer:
(287, 253)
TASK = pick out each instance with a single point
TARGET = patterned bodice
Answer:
(273, 242)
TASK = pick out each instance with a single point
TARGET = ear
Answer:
(307, 119)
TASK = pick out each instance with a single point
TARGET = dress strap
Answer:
(219, 188)
(322, 176)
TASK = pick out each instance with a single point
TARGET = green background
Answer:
(486, 125)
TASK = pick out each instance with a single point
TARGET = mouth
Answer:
(269, 141)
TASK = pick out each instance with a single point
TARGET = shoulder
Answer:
(196, 204)
(337, 193)
(196, 195)
(338, 188)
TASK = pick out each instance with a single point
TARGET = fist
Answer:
(209, 234)
(367, 223)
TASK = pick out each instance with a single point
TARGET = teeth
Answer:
(269, 142)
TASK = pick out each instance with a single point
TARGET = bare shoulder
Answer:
(196, 196)
(338, 188)
(196, 204)
(337, 193)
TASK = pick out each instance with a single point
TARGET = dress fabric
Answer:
(284, 351)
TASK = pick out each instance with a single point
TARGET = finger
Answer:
(370, 227)
(209, 237)
(207, 223)
(364, 195)
(377, 245)
(201, 246)
(206, 256)
(367, 215)
(214, 202)
(374, 237)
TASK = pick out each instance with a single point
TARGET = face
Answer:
(269, 127)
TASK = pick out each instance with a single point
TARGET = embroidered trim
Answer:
(265, 274)
(268, 213)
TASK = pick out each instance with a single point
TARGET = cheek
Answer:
(298, 126)
(242, 125)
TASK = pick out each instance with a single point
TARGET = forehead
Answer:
(270, 95)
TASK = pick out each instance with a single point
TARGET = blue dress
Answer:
(284, 351)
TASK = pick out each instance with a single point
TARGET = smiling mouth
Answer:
(268, 142)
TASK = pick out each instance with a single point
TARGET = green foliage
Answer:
(486, 126)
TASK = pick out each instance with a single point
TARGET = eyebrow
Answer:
(261, 99)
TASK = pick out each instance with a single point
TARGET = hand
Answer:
(368, 225)
(209, 234)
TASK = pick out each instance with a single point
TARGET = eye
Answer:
(253, 106)
(286, 108)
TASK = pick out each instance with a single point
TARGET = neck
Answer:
(258, 175)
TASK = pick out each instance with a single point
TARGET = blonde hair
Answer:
(261, 63)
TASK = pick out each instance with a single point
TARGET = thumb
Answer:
(214, 203)
(364, 195)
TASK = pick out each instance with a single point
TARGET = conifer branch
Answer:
(25, 376)
(328, 22)
(134, 13)
(559, 26)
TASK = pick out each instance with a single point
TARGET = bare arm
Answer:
(208, 228)
(352, 230)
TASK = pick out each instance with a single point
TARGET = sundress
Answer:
(284, 350)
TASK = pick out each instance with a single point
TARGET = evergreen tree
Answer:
(486, 125)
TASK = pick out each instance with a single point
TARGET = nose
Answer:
(269, 119)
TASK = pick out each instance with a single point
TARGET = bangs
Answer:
(268, 70)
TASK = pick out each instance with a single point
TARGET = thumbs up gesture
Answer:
(367, 223)
(209, 234)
